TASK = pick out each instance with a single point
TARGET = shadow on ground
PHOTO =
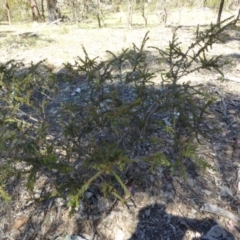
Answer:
(4, 34)
(156, 223)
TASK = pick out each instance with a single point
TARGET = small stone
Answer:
(147, 212)
(119, 235)
(216, 232)
(37, 195)
(225, 191)
(231, 111)
(206, 192)
(78, 90)
(68, 237)
(96, 217)
(59, 202)
(191, 182)
(88, 194)
(152, 179)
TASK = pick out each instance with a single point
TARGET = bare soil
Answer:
(162, 206)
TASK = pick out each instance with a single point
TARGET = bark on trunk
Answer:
(42, 9)
(143, 13)
(53, 11)
(35, 12)
(8, 13)
(99, 13)
(131, 5)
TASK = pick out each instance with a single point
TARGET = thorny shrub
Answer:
(118, 114)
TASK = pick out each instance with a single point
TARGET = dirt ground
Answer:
(163, 206)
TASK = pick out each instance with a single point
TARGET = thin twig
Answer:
(223, 103)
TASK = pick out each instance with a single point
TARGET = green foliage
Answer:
(90, 139)
(23, 126)
(5, 174)
(213, 3)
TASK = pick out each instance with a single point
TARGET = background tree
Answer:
(204, 3)
(131, 6)
(76, 9)
(99, 13)
(8, 13)
(53, 10)
(42, 9)
(94, 10)
(144, 13)
(35, 11)
(83, 9)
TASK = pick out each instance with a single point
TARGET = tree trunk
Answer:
(131, 5)
(165, 16)
(143, 13)
(53, 11)
(180, 5)
(83, 10)
(42, 9)
(220, 11)
(74, 7)
(35, 12)
(8, 13)
(99, 13)
(203, 4)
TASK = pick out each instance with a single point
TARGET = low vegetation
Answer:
(90, 137)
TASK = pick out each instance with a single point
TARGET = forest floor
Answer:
(162, 206)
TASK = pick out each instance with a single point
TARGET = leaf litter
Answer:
(161, 206)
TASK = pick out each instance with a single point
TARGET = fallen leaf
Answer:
(211, 116)
(231, 226)
(238, 186)
(225, 191)
(167, 122)
(206, 192)
(19, 223)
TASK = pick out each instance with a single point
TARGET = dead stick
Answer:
(219, 211)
